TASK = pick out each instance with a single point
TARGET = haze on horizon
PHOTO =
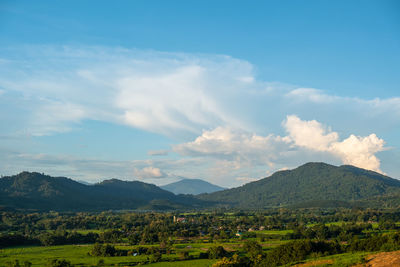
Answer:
(224, 91)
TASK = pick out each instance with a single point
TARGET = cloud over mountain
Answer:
(354, 150)
(149, 172)
(251, 149)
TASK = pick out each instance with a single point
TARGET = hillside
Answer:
(38, 191)
(191, 186)
(311, 184)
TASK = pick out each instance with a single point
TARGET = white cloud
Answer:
(309, 134)
(360, 151)
(355, 150)
(149, 172)
(243, 149)
(311, 95)
(175, 94)
(237, 146)
(167, 93)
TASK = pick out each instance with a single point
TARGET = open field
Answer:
(198, 239)
(191, 263)
(78, 254)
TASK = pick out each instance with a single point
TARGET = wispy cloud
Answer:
(159, 92)
(376, 106)
(157, 152)
(54, 88)
(159, 171)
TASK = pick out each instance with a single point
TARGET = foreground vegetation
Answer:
(337, 237)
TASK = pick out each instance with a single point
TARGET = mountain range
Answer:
(310, 185)
(191, 186)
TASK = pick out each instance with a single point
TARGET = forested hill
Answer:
(191, 186)
(311, 184)
(42, 192)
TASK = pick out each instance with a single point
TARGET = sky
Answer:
(224, 91)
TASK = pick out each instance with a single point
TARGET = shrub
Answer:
(217, 252)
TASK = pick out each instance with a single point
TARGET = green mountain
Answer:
(312, 184)
(42, 192)
(191, 186)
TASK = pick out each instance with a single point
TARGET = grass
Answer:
(274, 232)
(339, 260)
(85, 232)
(191, 263)
(77, 254)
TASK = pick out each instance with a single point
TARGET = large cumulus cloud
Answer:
(251, 149)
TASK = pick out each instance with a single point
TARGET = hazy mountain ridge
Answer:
(38, 191)
(312, 183)
(191, 186)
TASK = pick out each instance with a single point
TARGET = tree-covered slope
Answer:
(191, 186)
(312, 182)
(38, 191)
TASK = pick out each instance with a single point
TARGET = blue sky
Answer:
(226, 91)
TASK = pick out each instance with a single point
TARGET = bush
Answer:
(104, 250)
(235, 261)
(183, 255)
(299, 250)
(59, 263)
(217, 252)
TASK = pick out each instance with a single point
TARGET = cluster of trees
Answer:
(386, 242)
(34, 223)
(106, 250)
(66, 238)
(51, 263)
(344, 232)
(47, 239)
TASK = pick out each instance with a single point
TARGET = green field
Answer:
(338, 260)
(78, 254)
(191, 263)
(274, 232)
(39, 256)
